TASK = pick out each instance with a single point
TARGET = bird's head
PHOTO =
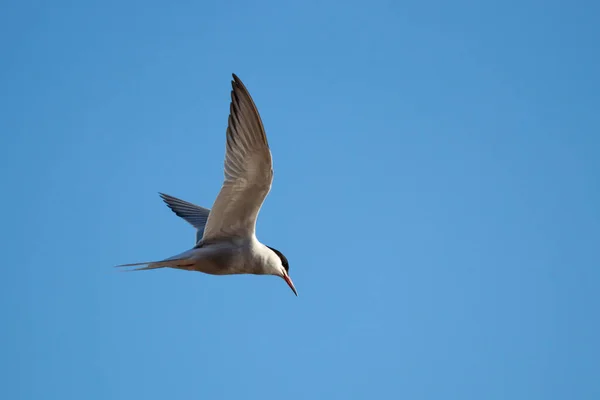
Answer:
(283, 269)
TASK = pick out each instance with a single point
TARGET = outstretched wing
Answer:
(248, 170)
(193, 214)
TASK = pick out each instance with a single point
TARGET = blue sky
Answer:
(436, 192)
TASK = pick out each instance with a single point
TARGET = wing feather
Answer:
(193, 214)
(248, 170)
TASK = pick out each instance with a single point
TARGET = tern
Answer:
(226, 240)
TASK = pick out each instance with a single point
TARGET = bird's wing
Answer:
(193, 214)
(248, 170)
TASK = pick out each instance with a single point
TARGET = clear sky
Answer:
(436, 191)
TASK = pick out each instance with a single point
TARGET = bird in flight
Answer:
(226, 241)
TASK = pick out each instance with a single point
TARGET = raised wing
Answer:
(193, 214)
(248, 170)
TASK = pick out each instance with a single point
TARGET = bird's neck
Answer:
(266, 261)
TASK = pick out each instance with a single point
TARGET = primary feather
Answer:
(248, 171)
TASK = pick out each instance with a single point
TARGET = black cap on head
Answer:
(284, 260)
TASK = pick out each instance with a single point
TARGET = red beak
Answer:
(290, 283)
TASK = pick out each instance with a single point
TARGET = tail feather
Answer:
(172, 263)
(138, 269)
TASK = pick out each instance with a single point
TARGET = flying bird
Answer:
(226, 240)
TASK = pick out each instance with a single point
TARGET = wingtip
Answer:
(237, 82)
(164, 198)
(167, 198)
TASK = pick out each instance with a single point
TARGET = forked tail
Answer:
(170, 263)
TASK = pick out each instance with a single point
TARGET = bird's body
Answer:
(225, 257)
(226, 242)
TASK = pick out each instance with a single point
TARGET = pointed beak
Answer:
(290, 283)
